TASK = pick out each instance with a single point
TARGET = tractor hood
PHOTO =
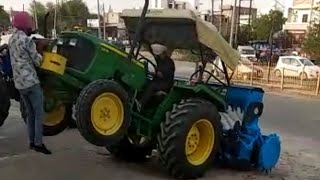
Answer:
(180, 29)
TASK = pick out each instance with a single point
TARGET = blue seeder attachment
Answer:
(244, 147)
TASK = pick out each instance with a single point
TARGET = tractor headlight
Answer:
(253, 111)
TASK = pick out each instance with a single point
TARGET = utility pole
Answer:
(311, 13)
(104, 23)
(35, 14)
(249, 21)
(250, 13)
(271, 49)
(220, 23)
(212, 12)
(99, 19)
(54, 30)
(232, 23)
(238, 24)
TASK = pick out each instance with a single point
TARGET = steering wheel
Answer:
(146, 66)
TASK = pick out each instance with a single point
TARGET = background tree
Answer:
(312, 43)
(4, 19)
(69, 14)
(263, 25)
(245, 35)
(41, 10)
(73, 13)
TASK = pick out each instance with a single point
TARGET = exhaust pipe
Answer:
(139, 29)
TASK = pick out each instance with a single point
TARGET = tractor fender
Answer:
(202, 91)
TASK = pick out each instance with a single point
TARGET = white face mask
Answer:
(158, 49)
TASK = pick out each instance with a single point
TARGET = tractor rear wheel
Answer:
(129, 150)
(4, 101)
(55, 121)
(103, 113)
(189, 138)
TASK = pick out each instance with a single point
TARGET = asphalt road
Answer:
(295, 119)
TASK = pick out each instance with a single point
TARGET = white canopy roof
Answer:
(181, 29)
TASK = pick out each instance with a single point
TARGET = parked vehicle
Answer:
(296, 66)
(247, 52)
(246, 68)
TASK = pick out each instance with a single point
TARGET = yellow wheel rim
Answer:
(55, 116)
(199, 142)
(107, 113)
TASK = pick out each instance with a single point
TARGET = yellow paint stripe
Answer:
(120, 53)
(114, 49)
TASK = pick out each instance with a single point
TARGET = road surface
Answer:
(296, 120)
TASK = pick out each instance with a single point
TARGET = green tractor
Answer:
(188, 125)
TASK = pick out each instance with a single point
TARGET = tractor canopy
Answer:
(180, 29)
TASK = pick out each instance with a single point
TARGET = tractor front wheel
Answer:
(54, 122)
(189, 138)
(102, 113)
(4, 101)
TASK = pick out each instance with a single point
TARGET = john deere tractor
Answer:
(192, 126)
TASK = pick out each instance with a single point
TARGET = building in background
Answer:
(175, 4)
(217, 18)
(243, 16)
(114, 25)
(300, 17)
(220, 20)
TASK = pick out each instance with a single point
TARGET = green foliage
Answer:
(312, 42)
(4, 19)
(41, 10)
(69, 14)
(245, 35)
(263, 25)
(73, 13)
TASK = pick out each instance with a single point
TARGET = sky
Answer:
(263, 5)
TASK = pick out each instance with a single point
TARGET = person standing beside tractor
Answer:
(24, 60)
(163, 78)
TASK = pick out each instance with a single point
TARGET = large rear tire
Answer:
(54, 121)
(103, 113)
(4, 101)
(189, 138)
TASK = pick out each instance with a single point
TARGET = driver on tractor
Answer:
(163, 77)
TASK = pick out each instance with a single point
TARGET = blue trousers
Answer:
(33, 99)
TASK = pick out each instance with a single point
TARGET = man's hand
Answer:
(152, 73)
(159, 74)
(42, 44)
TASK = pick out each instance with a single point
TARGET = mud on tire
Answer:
(84, 110)
(176, 129)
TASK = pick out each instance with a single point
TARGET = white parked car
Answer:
(244, 69)
(247, 52)
(296, 66)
